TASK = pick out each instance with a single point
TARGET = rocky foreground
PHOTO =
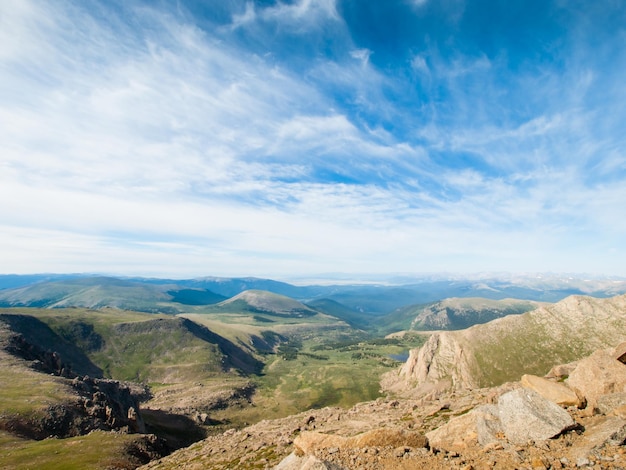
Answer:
(575, 417)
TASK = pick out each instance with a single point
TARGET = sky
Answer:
(297, 137)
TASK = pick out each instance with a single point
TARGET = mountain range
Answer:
(358, 303)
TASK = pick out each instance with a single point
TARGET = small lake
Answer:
(399, 357)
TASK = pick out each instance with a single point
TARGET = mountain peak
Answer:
(268, 302)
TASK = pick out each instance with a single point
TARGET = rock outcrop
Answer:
(98, 404)
(457, 313)
(93, 403)
(441, 364)
(504, 349)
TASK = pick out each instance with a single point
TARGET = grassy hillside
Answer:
(38, 333)
(169, 350)
(555, 334)
(135, 346)
(26, 398)
(97, 450)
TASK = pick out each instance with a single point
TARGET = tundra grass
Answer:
(98, 450)
(104, 317)
(24, 392)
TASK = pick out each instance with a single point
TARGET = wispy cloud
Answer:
(135, 138)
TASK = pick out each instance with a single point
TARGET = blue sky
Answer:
(204, 137)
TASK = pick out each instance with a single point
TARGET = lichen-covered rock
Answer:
(388, 438)
(527, 416)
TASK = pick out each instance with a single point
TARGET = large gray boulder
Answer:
(527, 416)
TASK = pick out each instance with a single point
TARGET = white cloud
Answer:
(305, 11)
(418, 63)
(247, 17)
(362, 55)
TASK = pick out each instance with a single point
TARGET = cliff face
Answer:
(504, 349)
(441, 364)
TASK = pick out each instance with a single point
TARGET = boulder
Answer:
(479, 426)
(605, 431)
(308, 442)
(527, 416)
(597, 375)
(562, 371)
(554, 391)
(609, 404)
(307, 462)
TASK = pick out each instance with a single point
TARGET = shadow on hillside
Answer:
(34, 340)
(178, 431)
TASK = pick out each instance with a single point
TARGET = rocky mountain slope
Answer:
(42, 397)
(504, 349)
(455, 313)
(528, 424)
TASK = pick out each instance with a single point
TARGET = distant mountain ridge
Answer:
(455, 313)
(368, 300)
(98, 292)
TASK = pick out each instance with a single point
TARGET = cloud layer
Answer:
(275, 139)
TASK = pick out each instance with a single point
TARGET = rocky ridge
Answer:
(458, 313)
(489, 354)
(91, 404)
(515, 425)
